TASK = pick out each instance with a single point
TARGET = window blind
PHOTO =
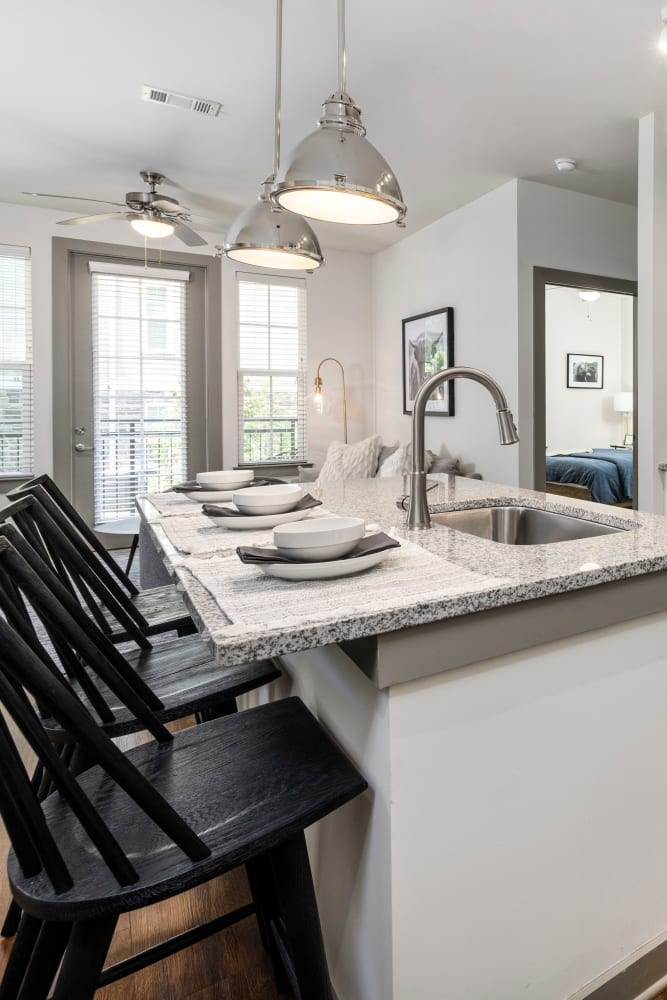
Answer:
(139, 387)
(272, 368)
(16, 404)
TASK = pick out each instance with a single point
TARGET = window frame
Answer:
(300, 373)
(9, 481)
(209, 395)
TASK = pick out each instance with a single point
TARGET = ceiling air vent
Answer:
(198, 104)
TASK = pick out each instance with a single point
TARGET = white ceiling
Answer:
(459, 96)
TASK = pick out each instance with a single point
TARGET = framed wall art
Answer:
(428, 347)
(585, 371)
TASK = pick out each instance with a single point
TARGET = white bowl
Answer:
(226, 479)
(319, 540)
(277, 499)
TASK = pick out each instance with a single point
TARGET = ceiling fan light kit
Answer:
(151, 213)
(335, 174)
(264, 235)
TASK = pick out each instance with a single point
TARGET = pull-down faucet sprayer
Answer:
(418, 514)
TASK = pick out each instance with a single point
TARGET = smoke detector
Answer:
(565, 165)
(199, 104)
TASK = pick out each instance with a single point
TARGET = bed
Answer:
(603, 473)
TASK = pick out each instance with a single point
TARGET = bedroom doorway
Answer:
(585, 387)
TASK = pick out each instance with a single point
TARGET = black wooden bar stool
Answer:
(174, 680)
(143, 826)
(156, 610)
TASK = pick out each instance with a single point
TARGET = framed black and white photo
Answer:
(428, 347)
(585, 371)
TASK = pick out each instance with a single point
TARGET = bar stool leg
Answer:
(130, 558)
(46, 957)
(306, 960)
(84, 959)
(20, 955)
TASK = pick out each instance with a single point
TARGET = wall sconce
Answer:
(318, 397)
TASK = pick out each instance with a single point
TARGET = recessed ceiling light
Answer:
(565, 165)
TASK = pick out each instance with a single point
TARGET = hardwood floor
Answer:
(229, 966)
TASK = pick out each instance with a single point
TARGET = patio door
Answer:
(139, 364)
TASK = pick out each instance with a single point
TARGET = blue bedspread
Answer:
(606, 472)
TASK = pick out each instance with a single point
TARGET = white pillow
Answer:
(400, 462)
(352, 461)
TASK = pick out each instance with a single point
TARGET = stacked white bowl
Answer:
(319, 540)
(277, 499)
(225, 479)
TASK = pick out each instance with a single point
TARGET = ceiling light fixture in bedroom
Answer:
(662, 42)
(335, 174)
(264, 235)
(589, 295)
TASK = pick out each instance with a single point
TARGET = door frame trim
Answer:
(543, 276)
(63, 252)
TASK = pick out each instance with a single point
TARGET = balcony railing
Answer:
(264, 441)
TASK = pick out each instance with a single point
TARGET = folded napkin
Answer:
(253, 554)
(214, 511)
(192, 486)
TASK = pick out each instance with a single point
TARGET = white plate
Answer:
(250, 521)
(323, 570)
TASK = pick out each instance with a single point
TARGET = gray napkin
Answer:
(192, 486)
(214, 511)
(254, 554)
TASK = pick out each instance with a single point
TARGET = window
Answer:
(139, 384)
(272, 369)
(16, 456)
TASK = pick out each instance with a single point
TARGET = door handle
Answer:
(83, 447)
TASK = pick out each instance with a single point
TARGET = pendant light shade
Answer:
(264, 236)
(335, 174)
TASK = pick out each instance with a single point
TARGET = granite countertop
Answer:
(436, 575)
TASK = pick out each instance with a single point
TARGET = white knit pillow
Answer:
(400, 462)
(352, 461)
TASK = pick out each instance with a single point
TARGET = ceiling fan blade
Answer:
(73, 197)
(188, 236)
(92, 218)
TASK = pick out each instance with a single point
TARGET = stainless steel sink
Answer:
(521, 525)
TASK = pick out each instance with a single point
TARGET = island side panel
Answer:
(529, 817)
(350, 850)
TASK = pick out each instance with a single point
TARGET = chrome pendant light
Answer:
(264, 235)
(335, 174)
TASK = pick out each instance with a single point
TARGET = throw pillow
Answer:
(385, 451)
(351, 461)
(400, 462)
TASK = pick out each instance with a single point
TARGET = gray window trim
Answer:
(63, 252)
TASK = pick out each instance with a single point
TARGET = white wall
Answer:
(579, 419)
(467, 260)
(339, 318)
(570, 232)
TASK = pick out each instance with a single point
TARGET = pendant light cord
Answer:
(341, 47)
(277, 102)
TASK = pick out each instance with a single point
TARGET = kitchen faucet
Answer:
(418, 513)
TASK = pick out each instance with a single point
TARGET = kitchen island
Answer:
(506, 705)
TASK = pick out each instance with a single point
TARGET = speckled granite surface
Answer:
(459, 573)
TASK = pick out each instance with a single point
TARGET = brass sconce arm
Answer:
(318, 390)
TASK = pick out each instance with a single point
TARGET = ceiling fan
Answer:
(150, 213)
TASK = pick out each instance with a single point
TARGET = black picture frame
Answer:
(427, 346)
(585, 371)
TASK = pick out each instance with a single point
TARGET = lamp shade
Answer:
(336, 175)
(264, 236)
(623, 402)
